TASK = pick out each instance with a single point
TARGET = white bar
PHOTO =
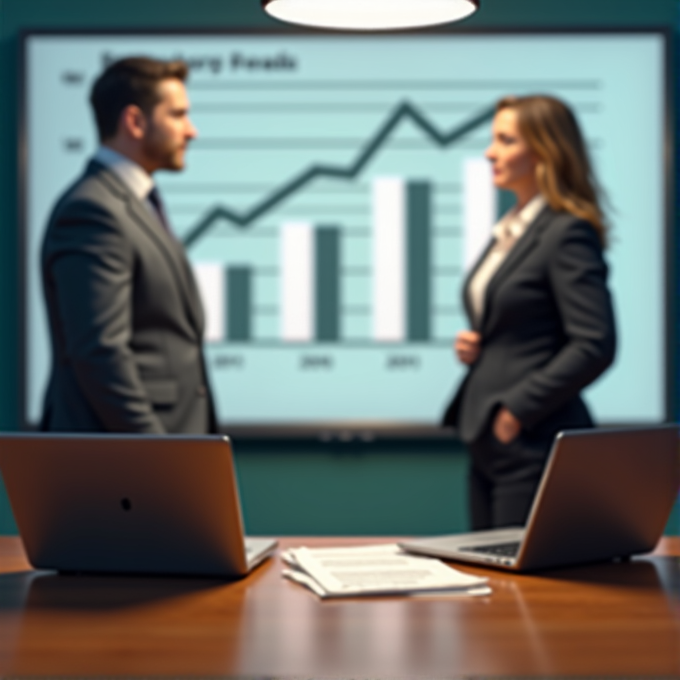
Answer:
(389, 263)
(210, 279)
(297, 281)
(480, 206)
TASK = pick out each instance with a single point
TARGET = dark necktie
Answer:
(155, 199)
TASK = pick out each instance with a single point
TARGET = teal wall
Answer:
(405, 487)
(335, 489)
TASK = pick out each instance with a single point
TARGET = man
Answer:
(125, 316)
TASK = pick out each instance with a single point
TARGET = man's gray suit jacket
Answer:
(547, 331)
(125, 317)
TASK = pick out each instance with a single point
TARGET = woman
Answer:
(542, 325)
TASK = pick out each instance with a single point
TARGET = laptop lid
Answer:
(127, 503)
(604, 494)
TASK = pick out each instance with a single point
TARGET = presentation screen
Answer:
(336, 195)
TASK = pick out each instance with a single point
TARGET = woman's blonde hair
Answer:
(564, 173)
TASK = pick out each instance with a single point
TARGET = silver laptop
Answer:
(604, 494)
(129, 504)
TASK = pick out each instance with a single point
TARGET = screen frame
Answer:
(367, 431)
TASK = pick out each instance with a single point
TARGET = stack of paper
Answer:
(376, 570)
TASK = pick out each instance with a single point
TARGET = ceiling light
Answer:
(370, 15)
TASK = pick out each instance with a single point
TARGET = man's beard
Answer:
(162, 157)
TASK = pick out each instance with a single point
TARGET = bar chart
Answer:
(310, 276)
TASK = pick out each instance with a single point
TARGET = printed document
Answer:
(376, 570)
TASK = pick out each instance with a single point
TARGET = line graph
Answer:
(402, 112)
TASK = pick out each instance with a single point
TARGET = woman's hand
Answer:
(505, 426)
(468, 345)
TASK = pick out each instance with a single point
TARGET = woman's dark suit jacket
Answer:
(547, 330)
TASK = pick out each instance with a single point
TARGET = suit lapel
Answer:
(170, 248)
(466, 285)
(174, 253)
(525, 244)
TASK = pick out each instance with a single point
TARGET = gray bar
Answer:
(327, 246)
(239, 294)
(418, 260)
(506, 200)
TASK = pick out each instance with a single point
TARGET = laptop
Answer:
(129, 504)
(604, 494)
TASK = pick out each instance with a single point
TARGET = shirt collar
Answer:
(516, 223)
(130, 173)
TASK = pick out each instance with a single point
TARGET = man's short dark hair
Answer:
(130, 81)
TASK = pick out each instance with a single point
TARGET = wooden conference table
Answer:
(609, 619)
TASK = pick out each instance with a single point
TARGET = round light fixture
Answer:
(370, 15)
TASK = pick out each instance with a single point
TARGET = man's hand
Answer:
(467, 346)
(505, 426)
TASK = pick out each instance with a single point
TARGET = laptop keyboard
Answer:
(498, 549)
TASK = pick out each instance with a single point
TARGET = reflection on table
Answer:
(616, 618)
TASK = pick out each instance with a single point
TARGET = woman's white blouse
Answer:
(506, 233)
